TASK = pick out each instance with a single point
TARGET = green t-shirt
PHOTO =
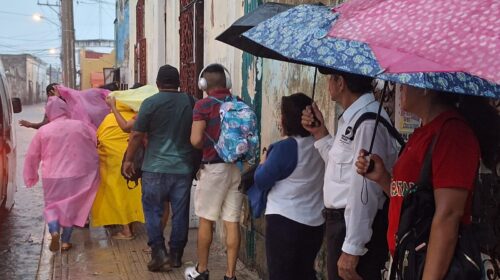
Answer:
(166, 118)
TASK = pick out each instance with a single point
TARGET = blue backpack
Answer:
(239, 136)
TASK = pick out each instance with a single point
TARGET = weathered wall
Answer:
(172, 45)
(219, 15)
(27, 77)
(161, 26)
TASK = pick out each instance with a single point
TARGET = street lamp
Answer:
(52, 51)
(39, 17)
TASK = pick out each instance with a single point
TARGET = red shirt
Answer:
(455, 162)
(207, 110)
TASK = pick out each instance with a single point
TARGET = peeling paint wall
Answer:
(219, 15)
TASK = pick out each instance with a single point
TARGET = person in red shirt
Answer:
(463, 136)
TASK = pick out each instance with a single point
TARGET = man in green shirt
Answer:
(166, 119)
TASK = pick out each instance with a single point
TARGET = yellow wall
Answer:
(89, 65)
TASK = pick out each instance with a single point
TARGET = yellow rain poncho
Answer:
(115, 203)
(133, 97)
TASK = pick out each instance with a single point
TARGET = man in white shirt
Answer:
(356, 223)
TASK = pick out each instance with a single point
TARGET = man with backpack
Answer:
(356, 219)
(166, 119)
(217, 191)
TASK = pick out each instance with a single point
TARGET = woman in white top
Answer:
(289, 185)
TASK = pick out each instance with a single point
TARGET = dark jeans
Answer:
(291, 248)
(156, 189)
(66, 233)
(371, 263)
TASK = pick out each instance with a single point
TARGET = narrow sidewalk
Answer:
(95, 255)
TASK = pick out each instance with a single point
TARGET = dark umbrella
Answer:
(232, 35)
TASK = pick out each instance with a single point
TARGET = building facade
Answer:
(182, 33)
(92, 65)
(27, 77)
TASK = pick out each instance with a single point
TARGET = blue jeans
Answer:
(55, 227)
(157, 188)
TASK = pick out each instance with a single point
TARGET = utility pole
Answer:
(68, 43)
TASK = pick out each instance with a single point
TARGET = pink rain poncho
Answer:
(70, 165)
(88, 105)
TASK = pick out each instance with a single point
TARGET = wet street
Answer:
(22, 229)
(24, 239)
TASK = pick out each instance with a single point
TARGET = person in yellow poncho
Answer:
(115, 203)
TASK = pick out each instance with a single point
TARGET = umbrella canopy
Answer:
(300, 35)
(232, 35)
(426, 36)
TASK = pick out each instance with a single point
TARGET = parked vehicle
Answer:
(8, 106)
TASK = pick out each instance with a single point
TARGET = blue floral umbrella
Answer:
(300, 35)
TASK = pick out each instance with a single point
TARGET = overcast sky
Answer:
(19, 33)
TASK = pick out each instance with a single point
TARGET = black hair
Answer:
(216, 68)
(50, 88)
(484, 120)
(137, 85)
(291, 114)
(355, 83)
(111, 86)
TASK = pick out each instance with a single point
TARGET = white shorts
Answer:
(217, 193)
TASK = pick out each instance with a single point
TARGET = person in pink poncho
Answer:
(70, 170)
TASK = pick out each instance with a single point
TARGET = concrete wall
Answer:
(27, 77)
(162, 36)
(93, 65)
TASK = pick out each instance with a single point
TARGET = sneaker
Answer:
(191, 273)
(229, 278)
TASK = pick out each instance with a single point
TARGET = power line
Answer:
(15, 14)
(29, 40)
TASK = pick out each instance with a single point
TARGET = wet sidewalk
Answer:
(95, 255)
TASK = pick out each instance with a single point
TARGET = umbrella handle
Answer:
(316, 122)
(371, 165)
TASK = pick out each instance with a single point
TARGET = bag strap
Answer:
(136, 184)
(390, 128)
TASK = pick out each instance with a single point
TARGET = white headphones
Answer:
(202, 82)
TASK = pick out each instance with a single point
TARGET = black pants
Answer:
(370, 264)
(291, 248)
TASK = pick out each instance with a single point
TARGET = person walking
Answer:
(457, 136)
(166, 119)
(70, 171)
(217, 193)
(291, 179)
(354, 208)
(51, 90)
(116, 202)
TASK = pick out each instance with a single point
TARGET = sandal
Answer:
(54, 243)
(121, 236)
(66, 246)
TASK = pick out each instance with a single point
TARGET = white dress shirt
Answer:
(343, 185)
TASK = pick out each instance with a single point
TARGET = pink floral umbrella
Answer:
(409, 36)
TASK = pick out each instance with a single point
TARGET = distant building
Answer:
(92, 68)
(27, 76)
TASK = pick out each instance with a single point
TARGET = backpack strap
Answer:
(390, 128)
